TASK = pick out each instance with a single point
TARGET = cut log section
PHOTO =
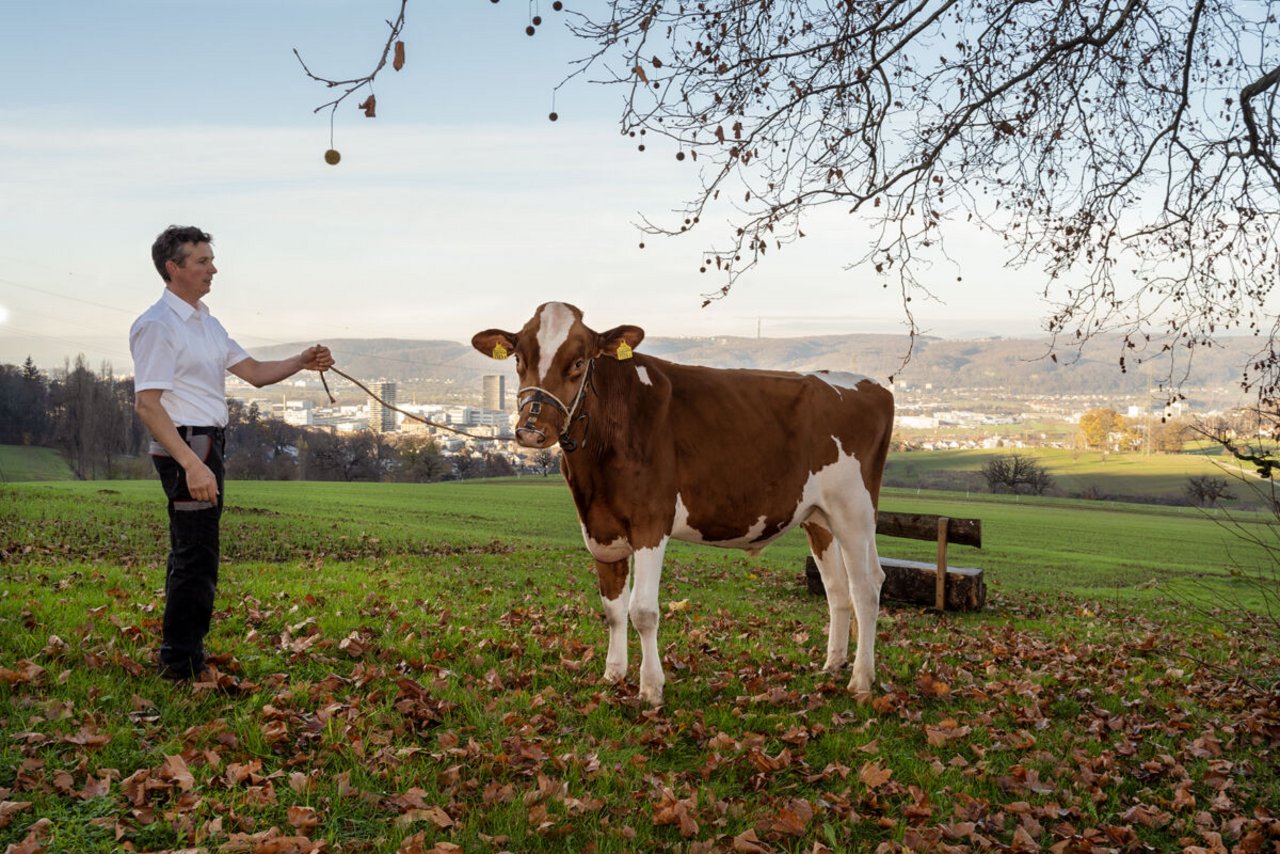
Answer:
(915, 582)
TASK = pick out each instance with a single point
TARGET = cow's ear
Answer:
(494, 343)
(620, 341)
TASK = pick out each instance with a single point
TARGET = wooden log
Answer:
(923, 526)
(915, 582)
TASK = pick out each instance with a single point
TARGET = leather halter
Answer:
(537, 396)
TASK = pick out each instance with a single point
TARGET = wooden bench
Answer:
(938, 584)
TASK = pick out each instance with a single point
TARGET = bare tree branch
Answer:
(1123, 150)
(355, 83)
(1127, 149)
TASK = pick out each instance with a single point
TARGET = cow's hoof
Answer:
(834, 666)
(613, 677)
(652, 696)
(862, 698)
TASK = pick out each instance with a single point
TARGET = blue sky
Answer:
(459, 208)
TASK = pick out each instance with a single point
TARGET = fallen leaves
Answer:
(476, 721)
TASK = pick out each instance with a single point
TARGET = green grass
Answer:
(1088, 548)
(425, 659)
(1132, 476)
(19, 463)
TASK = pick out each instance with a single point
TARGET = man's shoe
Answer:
(179, 672)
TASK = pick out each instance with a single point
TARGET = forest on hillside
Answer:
(1017, 365)
(89, 418)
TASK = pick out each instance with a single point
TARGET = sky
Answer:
(459, 208)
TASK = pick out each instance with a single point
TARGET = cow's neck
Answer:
(614, 430)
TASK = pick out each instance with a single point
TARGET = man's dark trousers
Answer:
(191, 577)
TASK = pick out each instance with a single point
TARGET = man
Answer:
(181, 354)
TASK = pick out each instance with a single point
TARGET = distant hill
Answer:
(1018, 366)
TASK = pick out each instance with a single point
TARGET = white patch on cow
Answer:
(646, 570)
(553, 329)
(837, 498)
(606, 552)
(838, 492)
(615, 617)
(644, 375)
(836, 488)
(841, 380)
(682, 530)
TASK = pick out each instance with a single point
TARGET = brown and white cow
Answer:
(654, 450)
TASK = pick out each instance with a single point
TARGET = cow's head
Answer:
(555, 353)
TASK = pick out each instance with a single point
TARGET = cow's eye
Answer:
(579, 365)
(519, 362)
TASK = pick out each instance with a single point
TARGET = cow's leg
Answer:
(613, 595)
(865, 577)
(835, 580)
(855, 529)
(647, 566)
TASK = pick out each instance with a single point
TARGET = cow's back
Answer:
(741, 450)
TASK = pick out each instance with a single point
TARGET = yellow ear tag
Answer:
(500, 352)
(624, 352)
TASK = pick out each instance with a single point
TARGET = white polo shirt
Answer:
(186, 352)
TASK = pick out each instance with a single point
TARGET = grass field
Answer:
(19, 463)
(421, 672)
(1134, 477)
(1159, 478)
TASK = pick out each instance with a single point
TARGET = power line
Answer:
(11, 283)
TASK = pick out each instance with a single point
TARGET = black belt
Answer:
(187, 432)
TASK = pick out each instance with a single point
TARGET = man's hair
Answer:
(171, 243)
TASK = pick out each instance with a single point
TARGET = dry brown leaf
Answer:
(303, 818)
(8, 809)
(33, 843)
(873, 776)
(793, 818)
(433, 814)
(931, 686)
(1023, 842)
(300, 783)
(944, 731)
(398, 61)
(748, 843)
(414, 844)
(175, 771)
(1182, 797)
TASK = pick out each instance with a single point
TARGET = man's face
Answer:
(193, 278)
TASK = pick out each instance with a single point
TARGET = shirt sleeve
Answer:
(235, 353)
(153, 356)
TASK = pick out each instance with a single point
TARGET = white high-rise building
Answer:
(495, 391)
(382, 418)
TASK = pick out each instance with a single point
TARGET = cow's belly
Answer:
(743, 523)
(755, 537)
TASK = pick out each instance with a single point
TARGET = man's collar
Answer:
(181, 307)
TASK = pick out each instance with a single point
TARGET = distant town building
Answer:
(299, 413)
(495, 391)
(382, 418)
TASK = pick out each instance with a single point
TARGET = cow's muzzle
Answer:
(533, 397)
